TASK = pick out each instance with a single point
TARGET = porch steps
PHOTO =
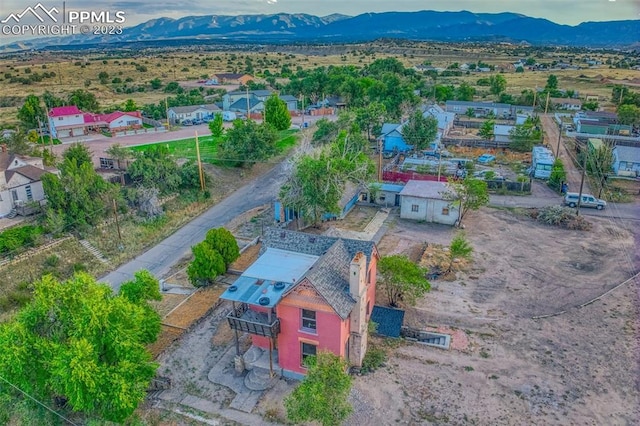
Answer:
(94, 251)
(251, 356)
(259, 379)
(13, 213)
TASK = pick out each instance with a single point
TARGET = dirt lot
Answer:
(504, 367)
(575, 368)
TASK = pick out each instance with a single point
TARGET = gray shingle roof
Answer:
(312, 244)
(330, 277)
(330, 274)
(192, 108)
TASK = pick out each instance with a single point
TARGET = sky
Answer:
(570, 12)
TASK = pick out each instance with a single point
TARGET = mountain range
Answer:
(424, 26)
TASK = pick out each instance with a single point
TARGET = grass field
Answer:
(186, 148)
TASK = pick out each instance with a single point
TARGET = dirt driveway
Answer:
(580, 367)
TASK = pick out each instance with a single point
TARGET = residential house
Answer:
(230, 78)
(20, 181)
(66, 121)
(482, 109)
(424, 200)
(305, 293)
(178, 114)
(626, 161)
(387, 195)
(69, 121)
(599, 123)
(237, 101)
(566, 103)
(391, 134)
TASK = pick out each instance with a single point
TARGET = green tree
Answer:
(460, 248)
(558, 175)
(31, 111)
(326, 131)
(370, 118)
(155, 168)
(465, 92)
(276, 113)
(216, 126)
(470, 112)
(444, 93)
(79, 153)
(497, 84)
(212, 256)
(629, 114)
(130, 105)
(156, 83)
(78, 342)
(18, 143)
(322, 395)
(402, 280)
(600, 164)
(469, 194)
(524, 136)
(207, 264)
(420, 131)
(84, 100)
(486, 130)
(247, 143)
(552, 83)
(103, 76)
(223, 241)
(590, 106)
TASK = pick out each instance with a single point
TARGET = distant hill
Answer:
(423, 25)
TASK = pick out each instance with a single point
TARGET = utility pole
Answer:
(546, 105)
(535, 94)
(559, 138)
(439, 164)
(166, 111)
(200, 174)
(380, 160)
(584, 170)
(248, 111)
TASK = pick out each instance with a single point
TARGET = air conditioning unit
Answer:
(20, 203)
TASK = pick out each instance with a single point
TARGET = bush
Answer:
(19, 237)
(373, 359)
(563, 217)
(52, 261)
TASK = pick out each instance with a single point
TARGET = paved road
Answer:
(159, 259)
(573, 173)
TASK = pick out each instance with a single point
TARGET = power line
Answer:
(38, 402)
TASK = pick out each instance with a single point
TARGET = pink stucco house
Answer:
(305, 293)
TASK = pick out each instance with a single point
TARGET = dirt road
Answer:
(551, 137)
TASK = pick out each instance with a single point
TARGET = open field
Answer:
(186, 148)
(129, 73)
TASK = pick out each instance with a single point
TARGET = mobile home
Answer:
(541, 162)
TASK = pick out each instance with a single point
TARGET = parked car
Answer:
(187, 122)
(588, 200)
(486, 159)
(488, 174)
(197, 122)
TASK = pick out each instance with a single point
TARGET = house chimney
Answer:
(358, 317)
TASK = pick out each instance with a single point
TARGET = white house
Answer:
(424, 200)
(626, 161)
(19, 181)
(566, 103)
(198, 112)
(445, 119)
(501, 133)
(66, 121)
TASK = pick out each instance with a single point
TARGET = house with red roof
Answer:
(69, 121)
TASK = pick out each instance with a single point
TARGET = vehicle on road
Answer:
(197, 122)
(486, 159)
(588, 200)
(187, 122)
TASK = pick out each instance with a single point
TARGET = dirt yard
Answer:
(579, 367)
(504, 367)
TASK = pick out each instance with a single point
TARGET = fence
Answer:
(481, 143)
(160, 129)
(509, 186)
(392, 176)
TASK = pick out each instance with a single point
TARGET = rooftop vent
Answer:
(232, 288)
(264, 301)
